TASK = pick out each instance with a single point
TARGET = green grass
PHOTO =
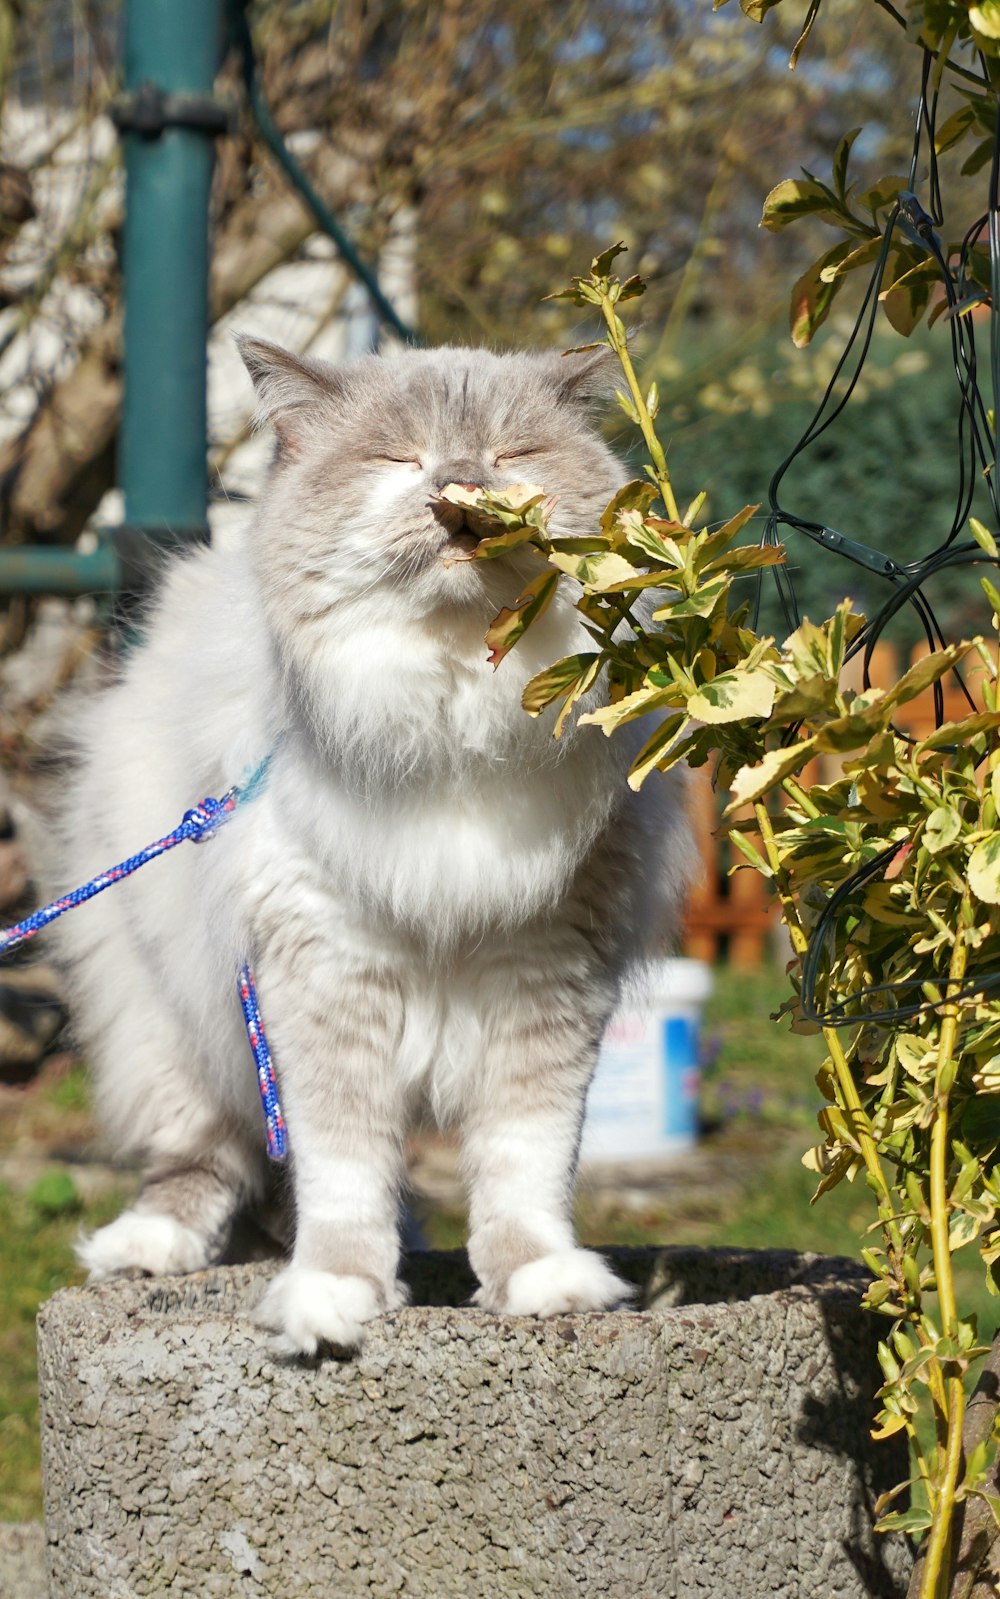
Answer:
(36, 1258)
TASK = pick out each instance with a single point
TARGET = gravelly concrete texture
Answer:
(22, 1560)
(714, 1442)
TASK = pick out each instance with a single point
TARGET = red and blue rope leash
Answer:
(196, 825)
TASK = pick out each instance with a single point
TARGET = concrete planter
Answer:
(714, 1443)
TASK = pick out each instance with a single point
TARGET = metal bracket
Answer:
(148, 112)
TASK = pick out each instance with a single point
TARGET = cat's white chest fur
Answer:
(438, 803)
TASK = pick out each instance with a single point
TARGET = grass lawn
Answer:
(759, 1103)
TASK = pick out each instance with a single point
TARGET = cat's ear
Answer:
(289, 387)
(583, 375)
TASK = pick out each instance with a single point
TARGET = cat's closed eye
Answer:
(397, 460)
(517, 455)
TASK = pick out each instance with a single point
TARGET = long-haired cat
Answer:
(438, 897)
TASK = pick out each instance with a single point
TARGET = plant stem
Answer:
(618, 339)
(937, 1563)
(860, 1125)
(795, 791)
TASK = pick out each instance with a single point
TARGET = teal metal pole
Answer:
(28, 569)
(169, 121)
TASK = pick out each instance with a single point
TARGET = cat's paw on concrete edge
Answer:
(305, 1309)
(136, 1244)
(555, 1285)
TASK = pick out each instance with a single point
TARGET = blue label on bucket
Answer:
(680, 1076)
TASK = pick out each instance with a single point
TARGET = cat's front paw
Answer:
(555, 1285)
(305, 1309)
(141, 1245)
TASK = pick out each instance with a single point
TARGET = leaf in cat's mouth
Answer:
(485, 523)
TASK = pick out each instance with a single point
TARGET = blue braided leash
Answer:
(196, 825)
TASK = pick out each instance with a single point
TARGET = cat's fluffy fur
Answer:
(438, 897)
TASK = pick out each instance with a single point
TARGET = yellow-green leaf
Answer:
(942, 828)
(983, 537)
(813, 294)
(655, 749)
(733, 696)
(630, 706)
(751, 782)
(634, 496)
(557, 680)
(794, 198)
(595, 572)
(984, 870)
(985, 18)
(513, 622)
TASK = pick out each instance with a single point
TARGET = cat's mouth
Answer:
(460, 545)
(462, 540)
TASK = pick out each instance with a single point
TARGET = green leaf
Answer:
(992, 1501)
(656, 748)
(906, 300)
(840, 160)
(955, 128)
(757, 10)
(701, 603)
(983, 537)
(984, 870)
(513, 622)
(724, 535)
(631, 289)
(798, 197)
(630, 706)
(915, 1520)
(868, 713)
(653, 544)
(980, 1121)
(558, 680)
(595, 572)
(747, 558)
(750, 852)
(985, 18)
(811, 14)
(733, 696)
(982, 154)
(634, 496)
(884, 192)
(862, 256)
(751, 782)
(942, 828)
(927, 670)
(813, 294)
(959, 733)
(600, 266)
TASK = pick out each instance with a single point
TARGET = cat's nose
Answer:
(467, 474)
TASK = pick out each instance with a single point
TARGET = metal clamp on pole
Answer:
(148, 111)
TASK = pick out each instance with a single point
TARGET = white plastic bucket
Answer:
(643, 1100)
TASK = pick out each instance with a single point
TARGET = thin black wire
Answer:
(325, 219)
(978, 455)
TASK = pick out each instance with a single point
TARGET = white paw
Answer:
(308, 1308)
(574, 1279)
(134, 1243)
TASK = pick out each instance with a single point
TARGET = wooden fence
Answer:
(731, 915)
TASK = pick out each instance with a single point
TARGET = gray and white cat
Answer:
(438, 897)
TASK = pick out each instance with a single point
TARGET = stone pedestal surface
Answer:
(712, 1442)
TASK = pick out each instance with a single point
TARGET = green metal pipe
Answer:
(171, 46)
(28, 569)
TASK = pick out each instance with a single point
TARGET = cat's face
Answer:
(364, 449)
